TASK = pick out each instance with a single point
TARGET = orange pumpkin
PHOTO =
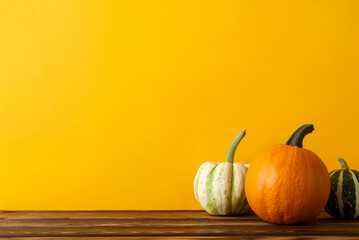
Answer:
(288, 184)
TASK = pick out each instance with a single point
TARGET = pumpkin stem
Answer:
(234, 145)
(343, 163)
(297, 137)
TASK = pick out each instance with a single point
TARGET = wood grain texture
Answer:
(162, 225)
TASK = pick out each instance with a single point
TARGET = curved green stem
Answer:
(343, 163)
(297, 137)
(234, 145)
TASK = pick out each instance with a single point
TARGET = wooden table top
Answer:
(66, 225)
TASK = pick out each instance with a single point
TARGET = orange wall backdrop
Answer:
(115, 104)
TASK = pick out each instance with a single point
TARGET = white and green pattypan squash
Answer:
(219, 187)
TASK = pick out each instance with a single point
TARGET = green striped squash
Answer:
(219, 187)
(343, 200)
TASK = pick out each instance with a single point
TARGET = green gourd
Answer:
(343, 200)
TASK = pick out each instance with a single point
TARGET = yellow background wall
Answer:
(115, 104)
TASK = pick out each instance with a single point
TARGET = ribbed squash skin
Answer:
(219, 188)
(287, 185)
(343, 200)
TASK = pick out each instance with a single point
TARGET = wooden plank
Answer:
(255, 222)
(271, 230)
(191, 238)
(115, 215)
(162, 225)
(124, 215)
(125, 222)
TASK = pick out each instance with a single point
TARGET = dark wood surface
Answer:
(66, 225)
